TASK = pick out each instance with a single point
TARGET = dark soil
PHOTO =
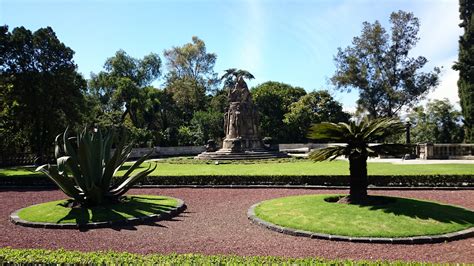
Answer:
(215, 222)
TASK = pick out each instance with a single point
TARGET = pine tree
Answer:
(465, 66)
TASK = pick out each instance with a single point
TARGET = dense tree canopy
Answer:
(379, 66)
(438, 122)
(273, 100)
(312, 108)
(465, 65)
(190, 76)
(120, 86)
(40, 89)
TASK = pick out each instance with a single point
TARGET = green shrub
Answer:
(279, 180)
(42, 256)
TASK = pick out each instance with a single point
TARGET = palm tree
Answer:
(232, 76)
(357, 137)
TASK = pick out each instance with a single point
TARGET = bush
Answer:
(275, 180)
(41, 257)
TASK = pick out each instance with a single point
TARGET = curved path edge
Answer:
(164, 215)
(466, 233)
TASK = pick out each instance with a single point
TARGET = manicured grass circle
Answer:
(401, 217)
(133, 206)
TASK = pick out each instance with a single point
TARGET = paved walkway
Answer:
(216, 223)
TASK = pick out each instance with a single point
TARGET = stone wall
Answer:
(445, 151)
(168, 151)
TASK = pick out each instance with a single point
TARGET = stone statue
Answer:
(242, 139)
(241, 118)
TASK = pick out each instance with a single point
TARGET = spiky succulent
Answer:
(86, 167)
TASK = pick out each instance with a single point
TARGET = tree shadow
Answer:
(424, 210)
(118, 214)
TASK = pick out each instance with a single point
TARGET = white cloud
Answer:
(439, 30)
(448, 84)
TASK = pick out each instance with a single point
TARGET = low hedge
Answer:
(62, 257)
(268, 180)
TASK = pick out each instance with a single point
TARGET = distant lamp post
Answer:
(407, 126)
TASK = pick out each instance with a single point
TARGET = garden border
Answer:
(448, 181)
(466, 233)
(180, 207)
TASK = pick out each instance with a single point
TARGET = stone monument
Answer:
(242, 139)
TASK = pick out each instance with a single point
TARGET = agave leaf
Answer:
(57, 148)
(61, 162)
(138, 163)
(64, 183)
(130, 181)
(83, 159)
(110, 169)
(95, 157)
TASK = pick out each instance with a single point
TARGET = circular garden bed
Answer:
(131, 210)
(389, 220)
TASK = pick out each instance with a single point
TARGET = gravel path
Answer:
(216, 223)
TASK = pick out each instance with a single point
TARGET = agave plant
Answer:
(86, 167)
(357, 138)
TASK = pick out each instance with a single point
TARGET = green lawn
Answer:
(137, 205)
(305, 167)
(296, 167)
(401, 218)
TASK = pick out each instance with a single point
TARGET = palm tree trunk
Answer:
(358, 178)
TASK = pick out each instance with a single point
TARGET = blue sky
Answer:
(290, 41)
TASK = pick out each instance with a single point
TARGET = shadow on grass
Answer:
(134, 207)
(126, 167)
(426, 210)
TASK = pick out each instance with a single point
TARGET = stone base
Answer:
(228, 154)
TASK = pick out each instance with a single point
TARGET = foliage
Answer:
(190, 76)
(232, 76)
(271, 179)
(438, 122)
(273, 100)
(43, 256)
(379, 66)
(207, 125)
(120, 87)
(40, 89)
(465, 65)
(399, 217)
(315, 107)
(188, 96)
(192, 61)
(92, 165)
(357, 137)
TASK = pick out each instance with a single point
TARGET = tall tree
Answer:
(41, 91)
(465, 66)
(120, 87)
(378, 65)
(273, 101)
(190, 76)
(312, 108)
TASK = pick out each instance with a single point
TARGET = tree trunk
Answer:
(358, 178)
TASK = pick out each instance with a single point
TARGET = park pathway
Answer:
(215, 222)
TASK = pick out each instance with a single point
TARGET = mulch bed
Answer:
(215, 222)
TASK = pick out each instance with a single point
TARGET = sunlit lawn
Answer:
(298, 167)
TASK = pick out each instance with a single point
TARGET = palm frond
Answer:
(329, 153)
